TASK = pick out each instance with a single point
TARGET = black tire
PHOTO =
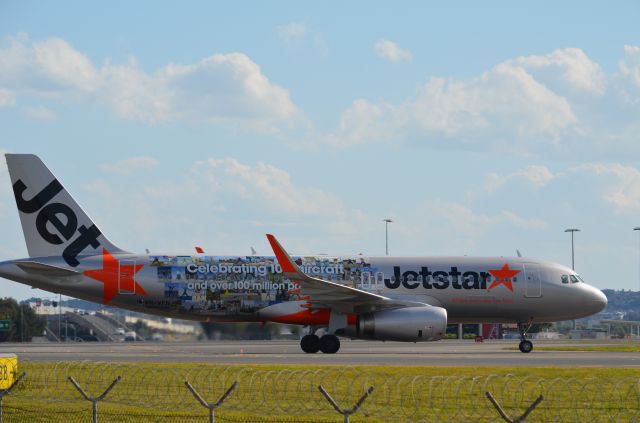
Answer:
(329, 344)
(526, 346)
(310, 344)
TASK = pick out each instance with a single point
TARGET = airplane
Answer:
(409, 299)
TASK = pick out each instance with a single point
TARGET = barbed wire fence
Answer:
(159, 393)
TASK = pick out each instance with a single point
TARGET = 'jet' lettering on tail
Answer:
(52, 213)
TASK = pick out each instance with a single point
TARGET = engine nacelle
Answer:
(410, 324)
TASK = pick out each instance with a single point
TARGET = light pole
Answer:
(637, 228)
(573, 267)
(60, 317)
(386, 235)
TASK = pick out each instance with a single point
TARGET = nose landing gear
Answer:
(525, 346)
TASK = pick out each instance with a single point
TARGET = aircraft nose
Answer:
(599, 299)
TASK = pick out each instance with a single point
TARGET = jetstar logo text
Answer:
(52, 213)
(454, 278)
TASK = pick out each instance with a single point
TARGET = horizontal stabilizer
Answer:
(45, 269)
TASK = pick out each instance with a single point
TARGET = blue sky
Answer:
(478, 128)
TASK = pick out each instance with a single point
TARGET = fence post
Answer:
(517, 419)
(7, 391)
(94, 400)
(345, 413)
(210, 406)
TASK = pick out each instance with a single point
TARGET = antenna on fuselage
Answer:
(518, 253)
(253, 251)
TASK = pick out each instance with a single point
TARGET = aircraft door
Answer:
(126, 277)
(532, 283)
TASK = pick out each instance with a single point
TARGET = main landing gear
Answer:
(328, 344)
(525, 346)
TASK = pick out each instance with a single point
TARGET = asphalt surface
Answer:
(442, 353)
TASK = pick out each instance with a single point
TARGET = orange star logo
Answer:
(111, 273)
(503, 277)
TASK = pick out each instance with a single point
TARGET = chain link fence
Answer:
(149, 392)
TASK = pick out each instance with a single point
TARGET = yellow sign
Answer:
(8, 370)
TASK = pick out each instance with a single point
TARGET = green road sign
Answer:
(5, 325)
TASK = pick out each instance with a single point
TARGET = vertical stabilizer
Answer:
(52, 222)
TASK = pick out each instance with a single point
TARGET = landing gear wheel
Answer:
(525, 346)
(310, 344)
(329, 344)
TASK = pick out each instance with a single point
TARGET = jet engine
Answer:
(409, 324)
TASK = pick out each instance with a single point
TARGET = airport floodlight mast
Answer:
(386, 235)
(573, 267)
(637, 228)
(60, 318)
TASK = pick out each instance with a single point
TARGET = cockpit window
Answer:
(565, 279)
(574, 279)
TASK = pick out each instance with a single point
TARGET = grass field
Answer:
(269, 393)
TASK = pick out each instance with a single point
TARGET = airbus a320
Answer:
(409, 299)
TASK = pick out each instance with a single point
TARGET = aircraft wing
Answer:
(325, 294)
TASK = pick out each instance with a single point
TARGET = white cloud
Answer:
(570, 66)
(299, 36)
(4, 170)
(630, 66)
(365, 122)
(292, 30)
(100, 188)
(506, 107)
(223, 88)
(220, 196)
(6, 194)
(268, 185)
(561, 101)
(226, 87)
(135, 95)
(521, 222)
(624, 192)
(39, 113)
(390, 51)
(464, 220)
(537, 176)
(130, 165)
(619, 184)
(47, 67)
(6, 98)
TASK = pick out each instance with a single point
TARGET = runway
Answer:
(442, 353)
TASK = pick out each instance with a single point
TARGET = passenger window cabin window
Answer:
(565, 279)
(574, 279)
